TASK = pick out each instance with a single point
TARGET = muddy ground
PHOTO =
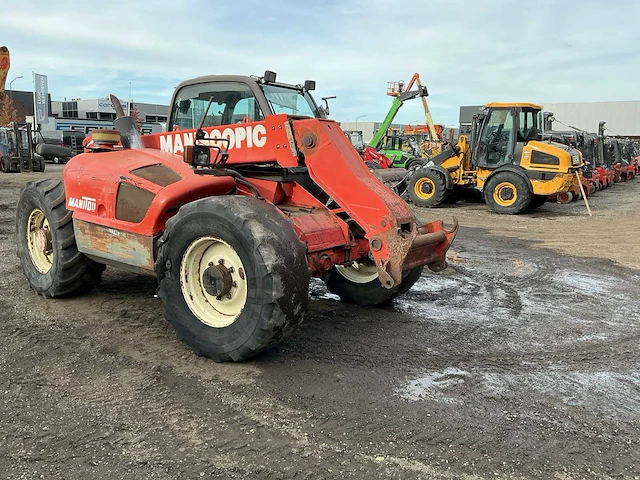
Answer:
(519, 361)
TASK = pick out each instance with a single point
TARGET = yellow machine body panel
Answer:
(513, 105)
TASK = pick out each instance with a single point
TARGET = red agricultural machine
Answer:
(250, 193)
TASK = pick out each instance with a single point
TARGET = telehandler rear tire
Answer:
(359, 284)
(426, 187)
(507, 193)
(233, 276)
(46, 243)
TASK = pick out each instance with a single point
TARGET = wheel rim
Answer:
(213, 281)
(39, 241)
(358, 272)
(424, 188)
(505, 194)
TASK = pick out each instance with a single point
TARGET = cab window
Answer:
(526, 125)
(231, 102)
(496, 141)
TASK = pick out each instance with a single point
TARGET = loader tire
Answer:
(233, 276)
(47, 246)
(360, 285)
(507, 193)
(538, 201)
(426, 187)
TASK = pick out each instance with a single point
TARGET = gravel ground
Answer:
(521, 360)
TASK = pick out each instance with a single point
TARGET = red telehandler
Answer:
(249, 193)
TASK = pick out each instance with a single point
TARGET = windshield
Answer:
(290, 101)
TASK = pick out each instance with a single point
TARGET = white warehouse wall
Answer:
(623, 118)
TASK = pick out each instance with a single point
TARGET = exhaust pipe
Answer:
(126, 126)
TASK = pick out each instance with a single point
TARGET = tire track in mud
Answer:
(495, 388)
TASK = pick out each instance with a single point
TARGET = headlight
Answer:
(575, 160)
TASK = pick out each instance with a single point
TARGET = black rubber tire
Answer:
(438, 184)
(373, 165)
(52, 151)
(4, 165)
(523, 192)
(371, 293)
(71, 272)
(538, 201)
(275, 265)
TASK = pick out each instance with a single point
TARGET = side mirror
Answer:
(325, 110)
(269, 76)
(309, 85)
(423, 91)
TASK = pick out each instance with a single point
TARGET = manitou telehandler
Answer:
(249, 193)
(505, 160)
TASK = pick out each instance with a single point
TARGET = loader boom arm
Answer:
(376, 141)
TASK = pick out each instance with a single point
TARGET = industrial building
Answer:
(623, 118)
(86, 115)
(102, 109)
(23, 102)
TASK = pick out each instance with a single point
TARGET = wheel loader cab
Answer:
(504, 132)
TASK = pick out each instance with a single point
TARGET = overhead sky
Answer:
(467, 51)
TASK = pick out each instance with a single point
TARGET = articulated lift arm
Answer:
(427, 113)
(376, 141)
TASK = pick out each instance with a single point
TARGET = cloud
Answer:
(466, 52)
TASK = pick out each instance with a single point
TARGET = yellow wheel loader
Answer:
(505, 160)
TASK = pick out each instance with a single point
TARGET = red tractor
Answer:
(249, 193)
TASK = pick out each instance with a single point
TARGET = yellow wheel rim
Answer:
(39, 241)
(213, 281)
(424, 188)
(505, 194)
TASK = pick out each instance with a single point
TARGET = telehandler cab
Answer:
(249, 193)
(505, 159)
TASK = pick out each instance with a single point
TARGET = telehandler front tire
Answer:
(426, 187)
(233, 276)
(359, 284)
(507, 193)
(47, 246)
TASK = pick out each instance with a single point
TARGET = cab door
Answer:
(497, 139)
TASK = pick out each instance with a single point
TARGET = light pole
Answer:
(10, 89)
(361, 116)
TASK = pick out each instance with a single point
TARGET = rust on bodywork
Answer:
(116, 246)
